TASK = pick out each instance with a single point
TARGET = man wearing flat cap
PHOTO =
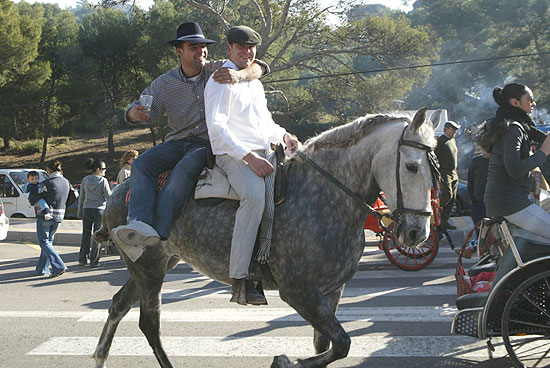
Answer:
(241, 131)
(180, 95)
(447, 153)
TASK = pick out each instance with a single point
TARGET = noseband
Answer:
(396, 215)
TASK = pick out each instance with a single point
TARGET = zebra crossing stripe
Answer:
(378, 274)
(224, 291)
(264, 346)
(374, 314)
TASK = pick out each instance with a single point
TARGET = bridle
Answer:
(396, 215)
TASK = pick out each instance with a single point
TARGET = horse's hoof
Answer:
(281, 361)
(99, 363)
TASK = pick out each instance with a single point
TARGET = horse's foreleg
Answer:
(315, 309)
(121, 304)
(149, 318)
(321, 342)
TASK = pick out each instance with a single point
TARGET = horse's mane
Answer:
(348, 134)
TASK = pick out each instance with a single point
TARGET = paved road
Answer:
(395, 318)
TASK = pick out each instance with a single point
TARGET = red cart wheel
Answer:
(411, 259)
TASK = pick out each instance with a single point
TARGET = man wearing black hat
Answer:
(180, 94)
(447, 153)
(241, 130)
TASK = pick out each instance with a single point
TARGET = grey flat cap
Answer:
(243, 35)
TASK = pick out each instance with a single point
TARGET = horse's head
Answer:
(403, 171)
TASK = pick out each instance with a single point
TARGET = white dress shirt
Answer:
(237, 117)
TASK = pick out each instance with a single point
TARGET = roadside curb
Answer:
(30, 236)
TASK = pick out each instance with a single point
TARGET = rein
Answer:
(398, 213)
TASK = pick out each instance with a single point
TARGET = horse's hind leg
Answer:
(315, 309)
(149, 317)
(121, 304)
(321, 342)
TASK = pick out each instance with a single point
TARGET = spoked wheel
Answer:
(526, 322)
(411, 259)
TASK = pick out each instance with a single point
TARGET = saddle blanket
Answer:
(213, 183)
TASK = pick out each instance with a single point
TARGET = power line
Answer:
(410, 67)
(64, 102)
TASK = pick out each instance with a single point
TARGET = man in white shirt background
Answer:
(241, 130)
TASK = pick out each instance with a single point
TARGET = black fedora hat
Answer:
(190, 31)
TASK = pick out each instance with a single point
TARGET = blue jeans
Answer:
(91, 218)
(45, 232)
(186, 158)
(477, 212)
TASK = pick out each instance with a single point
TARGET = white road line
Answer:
(43, 314)
(377, 314)
(262, 346)
(363, 293)
(374, 274)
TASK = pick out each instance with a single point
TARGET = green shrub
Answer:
(26, 147)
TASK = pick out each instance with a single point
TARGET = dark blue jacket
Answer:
(57, 191)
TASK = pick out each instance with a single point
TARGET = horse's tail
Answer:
(102, 235)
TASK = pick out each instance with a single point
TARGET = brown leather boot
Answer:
(243, 292)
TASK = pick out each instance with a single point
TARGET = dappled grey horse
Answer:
(318, 235)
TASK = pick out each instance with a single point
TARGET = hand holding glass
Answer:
(146, 101)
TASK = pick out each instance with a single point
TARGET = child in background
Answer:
(34, 187)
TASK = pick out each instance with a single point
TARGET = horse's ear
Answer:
(419, 119)
(435, 118)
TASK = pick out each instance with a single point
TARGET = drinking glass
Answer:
(146, 101)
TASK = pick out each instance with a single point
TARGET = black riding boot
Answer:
(243, 292)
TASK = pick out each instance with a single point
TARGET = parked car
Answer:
(16, 203)
(4, 223)
(461, 207)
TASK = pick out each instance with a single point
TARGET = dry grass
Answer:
(73, 153)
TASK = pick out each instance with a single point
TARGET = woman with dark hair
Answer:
(57, 191)
(94, 192)
(511, 162)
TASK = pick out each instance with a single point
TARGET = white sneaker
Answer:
(134, 237)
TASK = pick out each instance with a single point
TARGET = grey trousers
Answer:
(534, 223)
(251, 190)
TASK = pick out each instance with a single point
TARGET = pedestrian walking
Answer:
(56, 193)
(94, 192)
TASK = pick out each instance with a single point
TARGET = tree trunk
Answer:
(46, 134)
(47, 122)
(153, 136)
(6, 143)
(110, 139)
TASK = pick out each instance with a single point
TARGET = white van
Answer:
(15, 201)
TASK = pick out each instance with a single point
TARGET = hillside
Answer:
(73, 154)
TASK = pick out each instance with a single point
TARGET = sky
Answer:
(145, 4)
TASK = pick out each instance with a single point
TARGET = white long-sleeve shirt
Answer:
(237, 117)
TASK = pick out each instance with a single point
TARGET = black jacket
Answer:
(509, 179)
(477, 178)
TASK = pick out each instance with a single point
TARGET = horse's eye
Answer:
(412, 167)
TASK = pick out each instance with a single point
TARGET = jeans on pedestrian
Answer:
(91, 219)
(45, 233)
(186, 158)
(534, 223)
